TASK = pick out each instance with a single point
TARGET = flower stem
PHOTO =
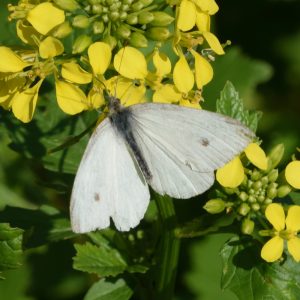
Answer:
(167, 256)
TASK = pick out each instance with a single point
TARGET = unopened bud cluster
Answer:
(257, 191)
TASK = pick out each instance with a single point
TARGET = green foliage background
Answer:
(263, 64)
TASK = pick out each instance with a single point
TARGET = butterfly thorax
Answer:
(120, 117)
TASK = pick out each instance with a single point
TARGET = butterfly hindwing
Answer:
(108, 184)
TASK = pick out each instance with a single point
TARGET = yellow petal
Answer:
(294, 248)
(126, 90)
(213, 42)
(131, 63)
(183, 77)
(273, 249)
(293, 218)
(275, 215)
(232, 174)
(162, 63)
(187, 15)
(25, 32)
(202, 21)
(95, 99)
(166, 93)
(45, 16)
(99, 56)
(187, 103)
(203, 70)
(23, 104)
(9, 87)
(208, 6)
(292, 174)
(74, 73)
(70, 98)
(257, 156)
(10, 62)
(50, 47)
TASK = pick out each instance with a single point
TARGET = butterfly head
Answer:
(114, 104)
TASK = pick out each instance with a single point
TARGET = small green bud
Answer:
(273, 185)
(264, 180)
(137, 6)
(244, 209)
(114, 15)
(125, 7)
(98, 27)
(123, 15)
(138, 40)
(252, 199)
(283, 191)
(268, 201)
(161, 19)
(247, 226)
(255, 206)
(81, 21)
(230, 191)
(214, 206)
(257, 185)
(243, 196)
(105, 18)
(249, 183)
(123, 31)
(273, 175)
(251, 191)
(132, 19)
(111, 41)
(261, 198)
(115, 6)
(145, 17)
(146, 2)
(256, 175)
(62, 30)
(81, 43)
(97, 9)
(92, 2)
(140, 234)
(158, 33)
(275, 156)
(127, 1)
(69, 5)
(108, 2)
(272, 193)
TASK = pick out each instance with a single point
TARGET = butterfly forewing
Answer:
(108, 184)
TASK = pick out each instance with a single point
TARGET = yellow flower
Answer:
(292, 174)
(232, 174)
(285, 229)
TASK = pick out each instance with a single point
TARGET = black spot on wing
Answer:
(97, 197)
(204, 142)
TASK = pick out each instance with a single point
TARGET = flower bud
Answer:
(273, 175)
(283, 191)
(268, 201)
(214, 206)
(98, 27)
(81, 43)
(252, 199)
(247, 226)
(275, 156)
(261, 198)
(243, 196)
(244, 209)
(137, 6)
(62, 30)
(158, 33)
(138, 40)
(230, 191)
(272, 192)
(257, 185)
(256, 175)
(123, 31)
(69, 5)
(97, 9)
(146, 2)
(114, 15)
(110, 40)
(264, 180)
(132, 19)
(161, 18)
(255, 206)
(145, 17)
(81, 21)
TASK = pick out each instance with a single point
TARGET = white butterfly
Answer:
(173, 149)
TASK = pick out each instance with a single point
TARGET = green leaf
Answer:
(43, 225)
(108, 290)
(231, 105)
(251, 278)
(10, 247)
(99, 260)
